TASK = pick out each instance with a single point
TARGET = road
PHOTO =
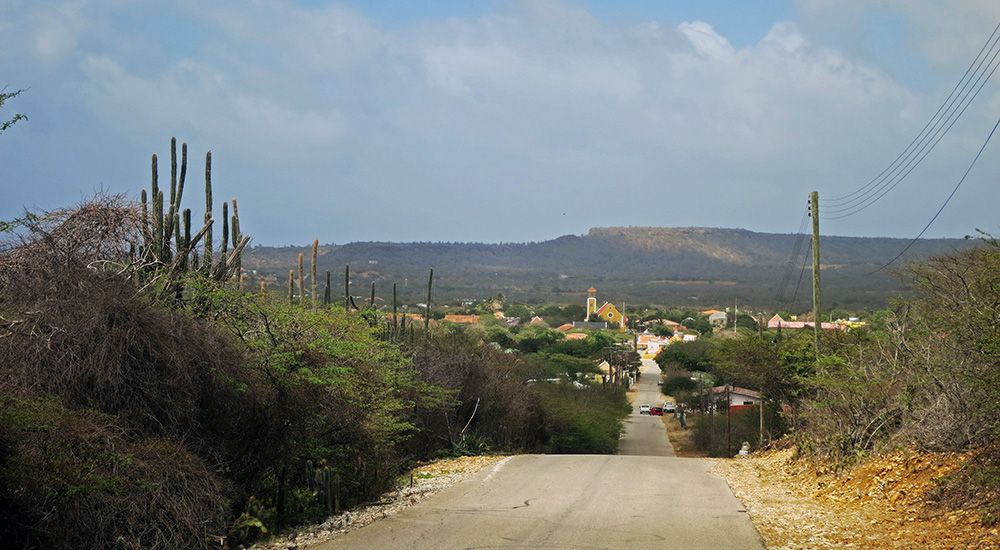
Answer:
(645, 435)
(642, 497)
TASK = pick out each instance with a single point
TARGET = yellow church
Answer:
(607, 313)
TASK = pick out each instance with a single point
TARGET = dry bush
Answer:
(77, 480)
(489, 386)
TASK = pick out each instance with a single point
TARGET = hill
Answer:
(670, 266)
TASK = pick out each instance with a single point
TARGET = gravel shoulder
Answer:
(428, 479)
(879, 504)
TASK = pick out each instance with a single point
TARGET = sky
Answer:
(501, 121)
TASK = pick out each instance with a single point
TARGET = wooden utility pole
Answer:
(814, 214)
(760, 405)
(729, 420)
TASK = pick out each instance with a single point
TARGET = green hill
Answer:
(670, 266)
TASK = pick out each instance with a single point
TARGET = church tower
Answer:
(591, 302)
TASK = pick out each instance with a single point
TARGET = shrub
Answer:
(73, 479)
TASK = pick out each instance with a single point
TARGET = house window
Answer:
(748, 402)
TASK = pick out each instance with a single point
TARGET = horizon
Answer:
(585, 234)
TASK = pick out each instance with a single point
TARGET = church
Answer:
(607, 313)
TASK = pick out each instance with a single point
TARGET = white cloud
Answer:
(541, 108)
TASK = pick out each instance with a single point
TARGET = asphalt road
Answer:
(645, 435)
(577, 501)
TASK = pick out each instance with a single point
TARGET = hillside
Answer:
(677, 266)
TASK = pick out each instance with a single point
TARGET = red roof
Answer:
(591, 290)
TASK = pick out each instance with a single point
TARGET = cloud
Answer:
(482, 127)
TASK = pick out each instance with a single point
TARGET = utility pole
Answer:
(814, 214)
(729, 420)
(736, 312)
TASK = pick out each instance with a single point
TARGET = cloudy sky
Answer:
(502, 120)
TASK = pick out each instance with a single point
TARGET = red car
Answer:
(656, 411)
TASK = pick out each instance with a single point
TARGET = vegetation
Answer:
(148, 400)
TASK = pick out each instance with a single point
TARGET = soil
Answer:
(681, 439)
(427, 480)
(880, 503)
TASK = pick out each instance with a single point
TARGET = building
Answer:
(738, 397)
(607, 313)
(777, 322)
(718, 319)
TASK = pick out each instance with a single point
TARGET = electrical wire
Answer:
(786, 277)
(946, 201)
(805, 260)
(946, 106)
(875, 194)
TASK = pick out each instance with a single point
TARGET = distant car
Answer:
(669, 407)
(656, 411)
(644, 409)
(659, 382)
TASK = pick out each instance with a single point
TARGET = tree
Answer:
(660, 329)
(686, 356)
(4, 96)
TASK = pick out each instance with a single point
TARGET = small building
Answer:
(738, 397)
(565, 328)
(777, 322)
(607, 313)
(718, 319)
(576, 336)
(537, 321)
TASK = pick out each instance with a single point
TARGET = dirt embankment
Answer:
(881, 503)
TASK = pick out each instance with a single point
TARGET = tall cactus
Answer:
(225, 231)
(187, 236)
(315, 282)
(371, 302)
(302, 282)
(347, 287)
(208, 210)
(327, 292)
(238, 240)
(427, 313)
(291, 286)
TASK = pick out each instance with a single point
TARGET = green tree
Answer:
(660, 329)
(4, 97)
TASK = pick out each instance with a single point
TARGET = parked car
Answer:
(644, 409)
(656, 411)
(669, 407)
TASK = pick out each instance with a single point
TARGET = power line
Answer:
(929, 122)
(805, 260)
(946, 201)
(874, 195)
(786, 277)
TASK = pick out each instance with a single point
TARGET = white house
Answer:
(737, 396)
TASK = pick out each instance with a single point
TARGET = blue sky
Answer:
(500, 120)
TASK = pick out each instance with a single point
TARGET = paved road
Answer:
(576, 501)
(645, 435)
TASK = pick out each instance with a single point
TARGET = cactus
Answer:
(347, 288)
(394, 311)
(237, 236)
(291, 286)
(208, 210)
(187, 236)
(327, 292)
(302, 282)
(145, 218)
(427, 314)
(225, 231)
(315, 282)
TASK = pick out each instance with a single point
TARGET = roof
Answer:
(591, 290)
(736, 390)
(565, 328)
(719, 315)
(576, 336)
(536, 320)
(710, 311)
(778, 322)
(461, 319)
